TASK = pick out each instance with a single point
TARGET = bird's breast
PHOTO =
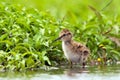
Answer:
(69, 53)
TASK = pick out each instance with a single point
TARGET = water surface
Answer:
(64, 73)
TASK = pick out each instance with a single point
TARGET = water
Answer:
(64, 73)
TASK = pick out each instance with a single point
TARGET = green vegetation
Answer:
(27, 33)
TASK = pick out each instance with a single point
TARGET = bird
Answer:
(75, 52)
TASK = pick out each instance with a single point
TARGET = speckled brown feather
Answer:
(77, 48)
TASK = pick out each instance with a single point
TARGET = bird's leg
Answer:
(70, 62)
(83, 65)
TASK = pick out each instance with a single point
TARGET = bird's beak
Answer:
(57, 39)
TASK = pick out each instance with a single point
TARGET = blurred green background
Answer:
(77, 10)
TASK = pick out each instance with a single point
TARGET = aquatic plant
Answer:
(27, 34)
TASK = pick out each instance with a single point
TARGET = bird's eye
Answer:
(64, 34)
(69, 33)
